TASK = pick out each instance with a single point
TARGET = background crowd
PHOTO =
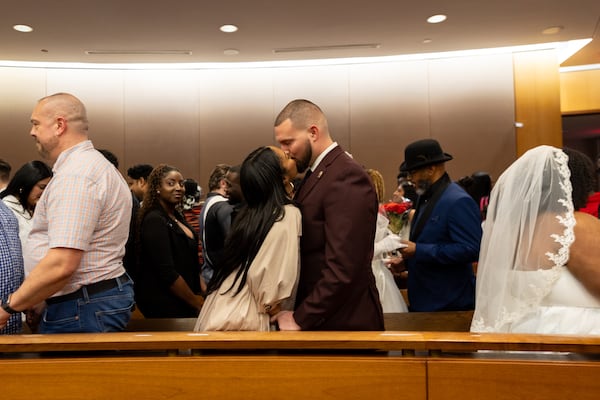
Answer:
(297, 236)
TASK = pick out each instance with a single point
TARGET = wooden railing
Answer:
(446, 342)
(393, 364)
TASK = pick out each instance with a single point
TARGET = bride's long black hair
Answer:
(261, 180)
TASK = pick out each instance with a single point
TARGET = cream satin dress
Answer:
(389, 293)
(272, 281)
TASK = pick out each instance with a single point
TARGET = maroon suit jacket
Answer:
(339, 212)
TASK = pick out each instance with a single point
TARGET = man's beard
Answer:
(42, 151)
(45, 149)
(422, 186)
(303, 162)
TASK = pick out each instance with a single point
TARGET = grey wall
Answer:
(194, 119)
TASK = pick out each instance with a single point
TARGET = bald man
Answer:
(80, 227)
(337, 288)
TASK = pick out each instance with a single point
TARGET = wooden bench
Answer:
(299, 365)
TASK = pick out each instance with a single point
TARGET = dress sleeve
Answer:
(273, 276)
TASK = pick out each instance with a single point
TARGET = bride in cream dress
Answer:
(385, 242)
(539, 266)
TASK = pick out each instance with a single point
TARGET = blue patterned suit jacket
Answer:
(440, 275)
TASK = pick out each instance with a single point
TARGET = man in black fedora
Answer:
(444, 237)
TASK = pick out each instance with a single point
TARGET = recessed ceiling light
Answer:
(552, 30)
(23, 28)
(436, 19)
(427, 41)
(231, 52)
(228, 28)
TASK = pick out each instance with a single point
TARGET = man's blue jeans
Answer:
(107, 311)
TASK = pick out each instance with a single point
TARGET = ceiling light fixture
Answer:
(436, 19)
(427, 41)
(23, 28)
(138, 52)
(228, 28)
(231, 52)
(332, 47)
(552, 30)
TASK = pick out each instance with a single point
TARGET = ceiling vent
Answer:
(139, 52)
(357, 46)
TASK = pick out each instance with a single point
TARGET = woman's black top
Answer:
(166, 253)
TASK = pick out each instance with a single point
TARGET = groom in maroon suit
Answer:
(339, 211)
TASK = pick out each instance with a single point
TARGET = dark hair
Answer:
(235, 169)
(217, 175)
(110, 156)
(402, 176)
(151, 202)
(410, 192)
(140, 171)
(4, 170)
(261, 180)
(193, 191)
(583, 177)
(151, 198)
(478, 185)
(25, 179)
(192, 188)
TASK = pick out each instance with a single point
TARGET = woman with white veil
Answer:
(539, 265)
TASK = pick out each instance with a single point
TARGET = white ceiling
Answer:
(65, 29)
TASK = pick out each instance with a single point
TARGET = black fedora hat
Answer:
(422, 153)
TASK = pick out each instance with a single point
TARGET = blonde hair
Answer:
(377, 180)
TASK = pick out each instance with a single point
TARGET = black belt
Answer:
(92, 288)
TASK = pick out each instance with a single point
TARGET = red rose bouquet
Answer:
(397, 213)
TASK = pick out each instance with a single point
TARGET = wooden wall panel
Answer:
(161, 121)
(472, 112)
(102, 93)
(537, 99)
(197, 118)
(512, 380)
(580, 92)
(389, 108)
(213, 377)
(326, 86)
(20, 89)
(235, 116)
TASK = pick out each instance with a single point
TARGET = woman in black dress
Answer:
(168, 276)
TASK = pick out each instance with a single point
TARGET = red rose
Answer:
(397, 208)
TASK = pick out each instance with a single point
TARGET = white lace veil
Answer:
(526, 238)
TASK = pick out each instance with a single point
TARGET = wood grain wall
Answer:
(195, 119)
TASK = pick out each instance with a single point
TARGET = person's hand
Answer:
(34, 315)
(198, 302)
(396, 265)
(408, 250)
(285, 320)
(388, 244)
(4, 316)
